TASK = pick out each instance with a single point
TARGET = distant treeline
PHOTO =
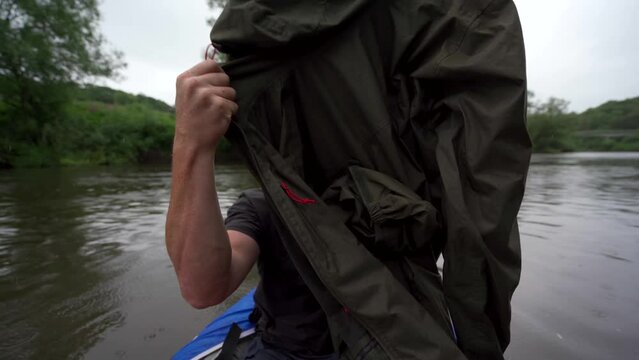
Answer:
(613, 126)
(47, 48)
(48, 119)
(99, 127)
(102, 126)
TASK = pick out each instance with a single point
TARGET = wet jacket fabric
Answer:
(387, 134)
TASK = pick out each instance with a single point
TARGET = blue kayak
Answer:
(208, 344)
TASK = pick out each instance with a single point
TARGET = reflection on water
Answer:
(55, 271)
(84, 272)
(83, 267)
(579, 293)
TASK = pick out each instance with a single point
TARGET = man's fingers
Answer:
(205, 67)
(228, 107)
(215, 79)
(225, 92)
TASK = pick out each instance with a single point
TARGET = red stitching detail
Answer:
(295, 197)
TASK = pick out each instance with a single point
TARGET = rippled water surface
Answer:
(84, 272)
(83, 268)
(579, 292)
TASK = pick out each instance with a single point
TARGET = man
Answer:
(387, 134)
(212, 259)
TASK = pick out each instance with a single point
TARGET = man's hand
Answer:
(204, 105)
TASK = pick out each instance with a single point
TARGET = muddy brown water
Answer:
(84, 272)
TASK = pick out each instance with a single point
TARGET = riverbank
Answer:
(613, 126)
(102, 126)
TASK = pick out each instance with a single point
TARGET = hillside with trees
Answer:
(51, 49)
(98, 126)
(110, 127)
(613, 126)
(46, 48)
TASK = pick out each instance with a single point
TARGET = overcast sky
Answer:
(585, 51)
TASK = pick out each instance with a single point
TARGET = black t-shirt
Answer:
(291, 317)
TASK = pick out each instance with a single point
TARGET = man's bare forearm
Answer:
(196, 239)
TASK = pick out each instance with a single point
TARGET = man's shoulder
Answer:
(255, 199)
(248, 214)
(253, 195)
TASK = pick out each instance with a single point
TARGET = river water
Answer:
(84, 272)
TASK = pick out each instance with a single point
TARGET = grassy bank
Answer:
(100, 126)
(106, 127)
(613, 126)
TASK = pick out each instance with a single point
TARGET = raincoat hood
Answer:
(252, 25)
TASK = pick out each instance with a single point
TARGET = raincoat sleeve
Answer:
(475, 77)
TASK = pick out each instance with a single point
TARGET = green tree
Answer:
(531, 103)
(46, 46)
(613, 115)
(553, 107)
(550, 134)
(549, 125)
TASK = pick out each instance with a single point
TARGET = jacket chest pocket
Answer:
(386, 215)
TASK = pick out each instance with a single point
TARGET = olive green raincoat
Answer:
(386, 134)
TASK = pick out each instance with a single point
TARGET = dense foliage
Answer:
(107, 127)
(46, 46)
(613, 115)
(104, 127)
(613, 126)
